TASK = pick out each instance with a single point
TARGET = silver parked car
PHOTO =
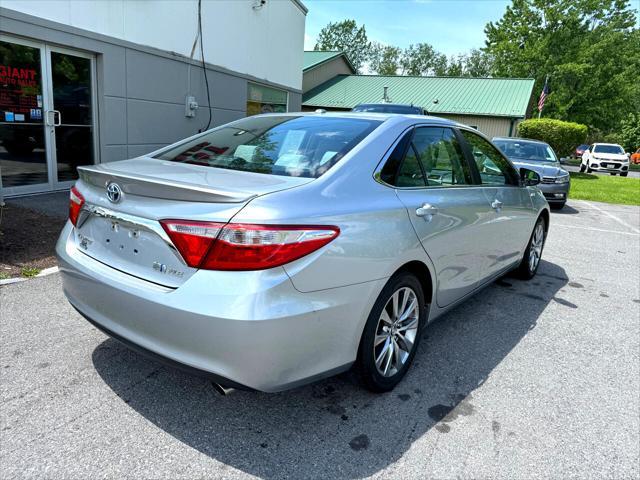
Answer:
(539, 157)
(280, 249)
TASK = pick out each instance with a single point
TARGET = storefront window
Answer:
(261, 99)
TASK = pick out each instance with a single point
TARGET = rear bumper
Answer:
(243, 329)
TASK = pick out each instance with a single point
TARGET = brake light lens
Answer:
(214, 246)
(76, 201)
(192, 239)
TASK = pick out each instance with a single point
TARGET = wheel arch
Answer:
(545, 214)
(421, 271)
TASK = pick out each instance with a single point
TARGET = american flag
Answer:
(543, 95)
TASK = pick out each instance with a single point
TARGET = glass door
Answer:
(24, 165)
(47, 115)
(70, 117)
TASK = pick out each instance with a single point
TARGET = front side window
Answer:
(275, 144)
(492, 166)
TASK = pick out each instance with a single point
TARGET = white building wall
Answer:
(267, 43)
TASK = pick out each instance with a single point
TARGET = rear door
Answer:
(434, 182)
(507, 227)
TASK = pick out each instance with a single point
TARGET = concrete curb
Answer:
(43, 273)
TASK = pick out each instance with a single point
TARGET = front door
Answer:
(508, 226)
(47, 116)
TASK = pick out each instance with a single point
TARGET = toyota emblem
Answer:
(114, 192)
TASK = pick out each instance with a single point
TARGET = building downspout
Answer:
(513, 122)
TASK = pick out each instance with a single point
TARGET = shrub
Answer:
(563, 137)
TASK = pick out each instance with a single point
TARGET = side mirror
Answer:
(529, 177)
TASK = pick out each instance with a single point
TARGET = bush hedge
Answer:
(563, 137)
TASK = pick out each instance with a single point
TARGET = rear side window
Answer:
(494, 169)
(441, 157)
(305, 146)
(430, 157)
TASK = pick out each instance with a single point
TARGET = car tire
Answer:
(384, 327)
(557, 206)
(613, 174)
(582, 167)
(624, 174)
(529, 264)
(589, 168)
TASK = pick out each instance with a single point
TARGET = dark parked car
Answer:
(580, 149)
(539, 157)
(389, 108)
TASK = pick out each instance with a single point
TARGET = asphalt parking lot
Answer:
(526, 380)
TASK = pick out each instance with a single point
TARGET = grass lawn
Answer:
(605, 188)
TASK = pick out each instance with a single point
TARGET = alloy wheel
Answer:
(535, 251)
(396, 331)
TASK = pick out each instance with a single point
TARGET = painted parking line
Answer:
(613, 217)
(596, 229)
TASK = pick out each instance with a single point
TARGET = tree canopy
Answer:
(348, 37)
(590, 49)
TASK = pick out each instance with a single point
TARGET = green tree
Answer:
(455, 66)
(478, 64)
(422, 59)
(590, 49)
(384, 59)
(630, 132)
(346, 37)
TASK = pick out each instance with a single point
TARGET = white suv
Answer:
(605, 157)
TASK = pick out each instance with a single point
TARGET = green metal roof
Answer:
(507, 97)
(313, 58)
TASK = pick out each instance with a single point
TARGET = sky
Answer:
(451, 26)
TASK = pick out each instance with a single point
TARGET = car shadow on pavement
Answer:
(566, 210)
(334, 428)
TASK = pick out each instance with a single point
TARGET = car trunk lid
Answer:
(126, 234)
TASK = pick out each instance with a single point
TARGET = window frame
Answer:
(410, 132)
(515, 174)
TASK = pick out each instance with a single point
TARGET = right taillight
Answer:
(76, 201)
(215, 246)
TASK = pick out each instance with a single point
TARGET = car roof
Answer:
(608, 144)
(370, 116)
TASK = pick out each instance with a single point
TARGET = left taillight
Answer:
(76, 201)
(215, 246)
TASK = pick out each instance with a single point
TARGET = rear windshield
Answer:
(608, 149)
(536, 152)
(275, 144)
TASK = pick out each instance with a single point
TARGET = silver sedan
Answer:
(280, 249)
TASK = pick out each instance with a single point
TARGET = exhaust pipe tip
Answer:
(224, 391)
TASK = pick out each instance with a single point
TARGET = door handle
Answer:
(496, 204)
(427, 210)
(55, 113)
